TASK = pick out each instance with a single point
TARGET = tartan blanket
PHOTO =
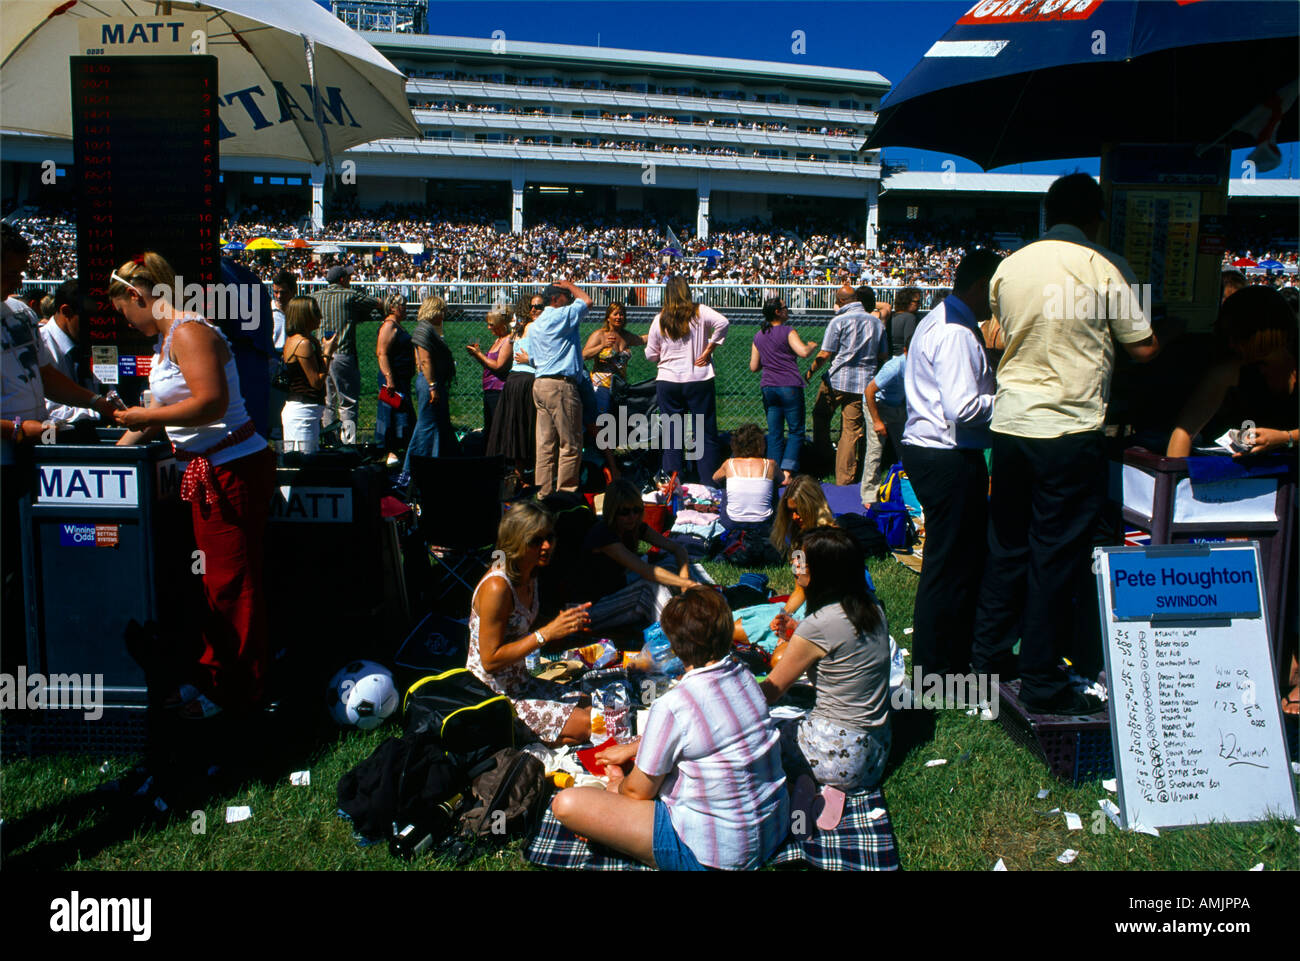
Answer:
(857, 844)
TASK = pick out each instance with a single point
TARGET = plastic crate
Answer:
(1075, 749)
(119, 731)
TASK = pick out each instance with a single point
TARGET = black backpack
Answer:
(462, 712)
(399, 783)
(507, 798)
(864, 531)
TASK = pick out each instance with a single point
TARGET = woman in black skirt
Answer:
(514, 427)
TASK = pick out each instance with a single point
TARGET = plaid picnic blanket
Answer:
(857, 844)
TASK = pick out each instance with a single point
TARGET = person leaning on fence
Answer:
(435, 370)
(682, 339)
(775, 352)
(501, 634)
(395, 355)
(306, 362)
(706, 790)
(343, 310)
(229, 475)
(852, 350)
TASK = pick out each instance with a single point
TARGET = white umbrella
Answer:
(294, 81)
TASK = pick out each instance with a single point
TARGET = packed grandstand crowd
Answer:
(465, 243)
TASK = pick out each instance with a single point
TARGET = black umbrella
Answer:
(1020, 81)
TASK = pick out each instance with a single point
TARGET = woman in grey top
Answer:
(843, 644)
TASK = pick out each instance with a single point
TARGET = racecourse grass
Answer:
(965, 815)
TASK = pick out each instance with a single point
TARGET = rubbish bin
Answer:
(106, 539)
(1158, 497)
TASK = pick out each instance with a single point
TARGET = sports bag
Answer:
(507, 798)
(400, 782)
(462, 712)
(866, 533)
(894, 523)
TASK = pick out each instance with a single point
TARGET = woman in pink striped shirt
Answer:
(708, 789)
(681, 341)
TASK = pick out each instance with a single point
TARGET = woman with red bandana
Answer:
(229, 472)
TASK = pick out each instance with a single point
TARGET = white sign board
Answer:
(1195, 719)
(87, 485)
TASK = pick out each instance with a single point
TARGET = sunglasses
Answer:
(537, 307)
(629, 512)
(541, 539)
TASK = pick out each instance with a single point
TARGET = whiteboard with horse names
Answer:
(1196, 724)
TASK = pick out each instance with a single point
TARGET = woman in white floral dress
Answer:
(501, 635)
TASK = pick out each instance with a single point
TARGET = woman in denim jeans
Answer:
(435, 370)
(776, 345)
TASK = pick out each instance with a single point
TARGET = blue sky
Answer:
(882, 35)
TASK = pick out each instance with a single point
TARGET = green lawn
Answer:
(738, 396)
(965, 815)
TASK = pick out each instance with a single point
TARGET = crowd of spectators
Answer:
(464, 242)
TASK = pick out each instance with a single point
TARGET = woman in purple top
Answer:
(775, 347)
(681, 341)
(496, 364)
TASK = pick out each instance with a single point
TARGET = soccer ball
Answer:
(362, 695)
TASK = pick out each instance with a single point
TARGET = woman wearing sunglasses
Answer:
(502, 636)
(228, 481)
(625, 588)
(843, 645)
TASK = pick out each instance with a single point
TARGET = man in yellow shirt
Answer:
(1062, 301)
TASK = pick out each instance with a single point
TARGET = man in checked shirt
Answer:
(342, 309)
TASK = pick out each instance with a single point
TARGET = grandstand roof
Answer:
(576, 57)
(961, 182)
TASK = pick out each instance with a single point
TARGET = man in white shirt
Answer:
(1062, 301)
(949, 387)
(61, 334)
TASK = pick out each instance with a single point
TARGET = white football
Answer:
(362, 695)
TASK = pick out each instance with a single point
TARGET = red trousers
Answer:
(231, 535)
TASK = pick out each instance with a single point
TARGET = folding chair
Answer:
(458, 507)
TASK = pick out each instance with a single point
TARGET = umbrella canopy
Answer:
(263, 243)
(328, 249)
(267, 94)
(232, 246)
(711, 252)
(1271, 264)
(1244, 262)
(1045, 79)
(671, 252)
(297, 243)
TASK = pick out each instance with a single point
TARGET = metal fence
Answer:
(739, 397)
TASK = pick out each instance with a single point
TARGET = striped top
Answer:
(725, 787)
(342, 309)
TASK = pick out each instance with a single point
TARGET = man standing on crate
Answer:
(1062, 302)
(949, 387)
(342, 309)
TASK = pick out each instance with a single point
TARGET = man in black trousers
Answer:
(1063, 301)
(950, 389)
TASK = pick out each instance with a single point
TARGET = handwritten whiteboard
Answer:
(1195, 720)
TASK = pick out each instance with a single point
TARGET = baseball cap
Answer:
(337, 273)
(553, 290)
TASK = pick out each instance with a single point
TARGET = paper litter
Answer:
(236, 814)
(300, 778)
(1067, 856)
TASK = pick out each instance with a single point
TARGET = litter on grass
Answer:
(300, 778)
(1067, 856)
(1111, 811)
(1043, 793)
(1073, 822)
(1000, 866)
(907, 630)
(937, 762)
(1258, 867)
(236, 814)
(1047, 814)
(1110, 784)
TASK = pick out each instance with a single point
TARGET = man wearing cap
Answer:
(342, 309)
(1062, 302)
(556, 352)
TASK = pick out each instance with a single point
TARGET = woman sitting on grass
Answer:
(843, 644)
(750, 478)
(625, 588)
(501, 633)
(707, 789)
